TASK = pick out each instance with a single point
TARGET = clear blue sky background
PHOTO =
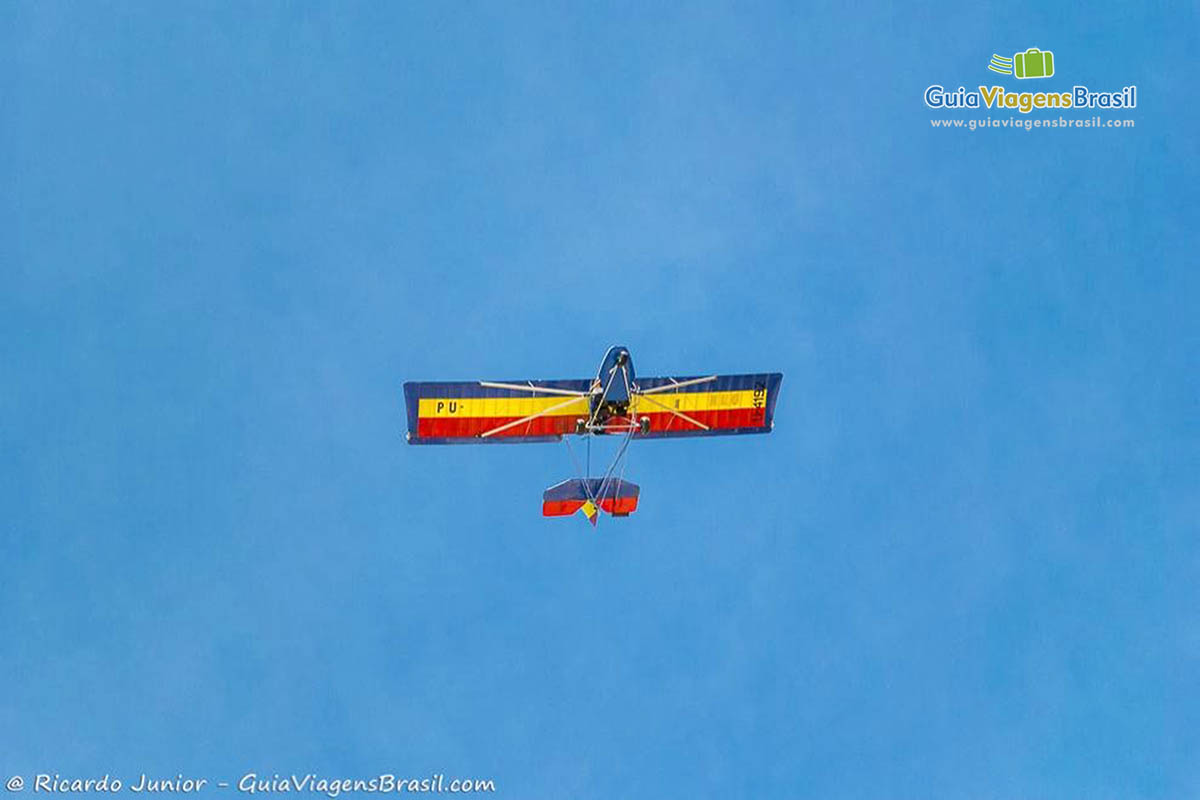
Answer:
(965, 563)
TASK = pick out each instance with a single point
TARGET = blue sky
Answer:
(964, 564)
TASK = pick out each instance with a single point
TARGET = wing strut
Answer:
(674, 384)
(530, 418)
(531, 388)
(679, 414)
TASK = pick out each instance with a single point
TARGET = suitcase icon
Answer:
(1033, 63)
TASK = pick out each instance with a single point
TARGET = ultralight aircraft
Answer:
(613, 403)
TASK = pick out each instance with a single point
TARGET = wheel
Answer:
(580, 426)
(644, 425)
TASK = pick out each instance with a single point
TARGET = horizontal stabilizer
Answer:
(619, 497)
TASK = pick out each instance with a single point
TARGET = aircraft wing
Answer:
(712, 405)
(483, 412)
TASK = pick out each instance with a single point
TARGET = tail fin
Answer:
(620, 498)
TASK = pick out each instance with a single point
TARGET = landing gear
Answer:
(644, 425)
(580, 427)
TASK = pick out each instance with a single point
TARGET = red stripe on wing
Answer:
(470, 427)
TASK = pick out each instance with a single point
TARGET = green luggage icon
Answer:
(1033, 63)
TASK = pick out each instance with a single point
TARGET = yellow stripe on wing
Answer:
(699, 401)
(461, 407)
